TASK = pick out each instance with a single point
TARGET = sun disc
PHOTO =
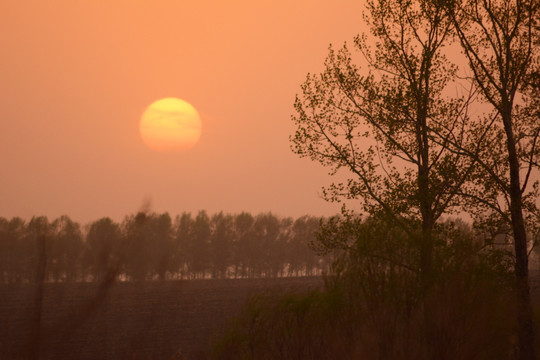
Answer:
(170, 124)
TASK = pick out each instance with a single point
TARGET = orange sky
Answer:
(75, 77)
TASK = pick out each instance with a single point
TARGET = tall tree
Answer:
(378, 121)
(221, 242)
(103, 243)
(184, 229)
(67, 249)
(37, 244)
(160, 239)
(266, 230)
(303, 235)
(501, 40)
(245, 243)
(200, 245)
(5, 246)
(13, 253)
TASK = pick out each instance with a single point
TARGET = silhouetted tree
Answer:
(159, 232)
(200, 245)
(182, 238)
(221, 242)
(265, 235)
(384, 122)
(283, 247)
(5, 247)
(137, 260)
(37, 245)
(67, 249)
(303, 234)
(501, 41)
(244, 244)
(103, 244)
(13, 253)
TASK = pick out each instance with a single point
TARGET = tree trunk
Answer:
(426, 241)
(524, 309)
(426, 255)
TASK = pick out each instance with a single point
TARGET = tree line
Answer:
(156, 246)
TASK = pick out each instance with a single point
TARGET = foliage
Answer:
(383, 121)
(374, 306)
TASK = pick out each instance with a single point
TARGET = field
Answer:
(150, 320)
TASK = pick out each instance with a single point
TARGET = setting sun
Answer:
(170, 124)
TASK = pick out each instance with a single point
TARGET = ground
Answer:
(148, 320)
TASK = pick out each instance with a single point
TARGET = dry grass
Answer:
(377, 312)
(149, 320)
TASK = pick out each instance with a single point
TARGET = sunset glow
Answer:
(77, 77)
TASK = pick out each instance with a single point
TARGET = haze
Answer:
(76, 77)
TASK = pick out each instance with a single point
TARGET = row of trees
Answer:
(422, 138)
(154, 246)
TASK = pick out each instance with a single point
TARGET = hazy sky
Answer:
(75, 77)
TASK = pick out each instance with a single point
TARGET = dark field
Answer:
(150, 320)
